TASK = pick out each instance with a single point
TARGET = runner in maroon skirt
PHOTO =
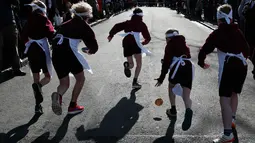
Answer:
(233, 52)
(177, 60)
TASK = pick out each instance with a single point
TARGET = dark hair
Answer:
(137, 10)
(169, 31)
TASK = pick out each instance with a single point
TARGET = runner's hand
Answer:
(109, 38)
(206, 66)
(159, 82)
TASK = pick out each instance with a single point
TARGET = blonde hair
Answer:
(226, 8)
(82, 7)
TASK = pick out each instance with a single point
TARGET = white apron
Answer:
(44, 44)
(74, 46)
(222, 57)
(137, 40)
(177, 90)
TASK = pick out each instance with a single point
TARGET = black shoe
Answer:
(136, 85)
(171, 113)
(18, 73)
(38, 109)
(187, 119)
(38, 93)
(127, 71)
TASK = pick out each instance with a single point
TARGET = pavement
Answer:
(113, 112)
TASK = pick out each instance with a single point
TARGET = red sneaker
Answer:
(75, 110)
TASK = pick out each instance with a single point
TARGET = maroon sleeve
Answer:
(117, 28)
(89, 39)
(166, 61)
(49, 28)
(207, 48)
(146, 34)
(246, 48)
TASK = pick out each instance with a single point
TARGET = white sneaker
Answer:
(225, 139)
(56, 103)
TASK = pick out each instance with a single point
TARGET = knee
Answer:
(48, 77)
(81, 80)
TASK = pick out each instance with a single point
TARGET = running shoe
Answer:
(127, 71)
(56, 103)
(225, 139)
(75, 110)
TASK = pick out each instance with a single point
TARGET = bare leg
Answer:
(131, 62)
(186, 97)
(138, 58)
(36, 77)
(234, 103)
(64, 85)
(80, 79)
(172, 96)
(46, 79)
(226, 111)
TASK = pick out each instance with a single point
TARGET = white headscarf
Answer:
(138, 14)
(88, 14)
(36, 7)
(227, 17)
(172, 34)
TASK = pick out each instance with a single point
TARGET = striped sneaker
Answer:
(56, 103)
(225, 139)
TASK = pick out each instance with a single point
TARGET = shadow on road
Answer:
(61, 132)
(6, 75)
(116, 123)
(19, 132)
(236, 136)
(168, 138)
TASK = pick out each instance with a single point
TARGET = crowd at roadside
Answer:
(14, 14)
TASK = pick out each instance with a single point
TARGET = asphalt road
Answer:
(115, 114)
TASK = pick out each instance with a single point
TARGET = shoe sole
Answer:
(127, 71)
(56, 107)
(75, 112)
(170, 116)
(38, 94)
(229, 141)
(187, 122)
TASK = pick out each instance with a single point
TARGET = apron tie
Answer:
(239, 56)
(137, 40)
(74, 43)
(179, 61)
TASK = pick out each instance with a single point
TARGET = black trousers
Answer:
(8, 47)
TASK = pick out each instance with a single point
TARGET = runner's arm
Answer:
(49, 28)
(166, 62)
(89, 39)
(146, 35)
(207, 48)
(117, 28)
